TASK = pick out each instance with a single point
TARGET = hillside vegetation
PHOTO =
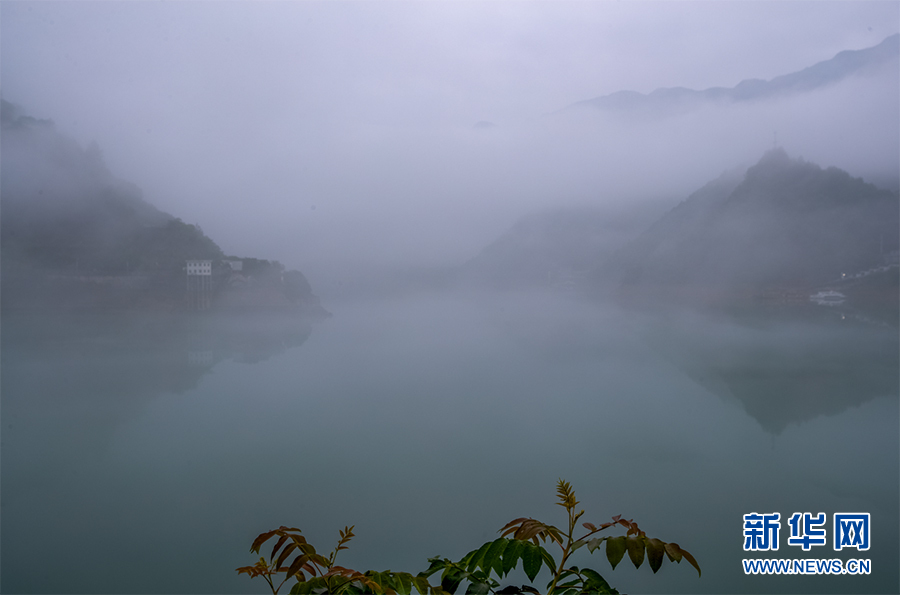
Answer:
(786, 225)
(74, 236)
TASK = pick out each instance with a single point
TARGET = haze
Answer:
(490, 282)
(331, 135)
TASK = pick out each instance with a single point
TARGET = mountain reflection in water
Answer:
(143, 438)
(784, 370)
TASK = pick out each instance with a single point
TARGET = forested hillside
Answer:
(787, 224)
(75, 236)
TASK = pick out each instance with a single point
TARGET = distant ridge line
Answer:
(844, 64)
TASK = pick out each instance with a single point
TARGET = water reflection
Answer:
(165, 353)
(784, 368)
(430, 422)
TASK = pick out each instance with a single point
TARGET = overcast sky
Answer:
(299, 130)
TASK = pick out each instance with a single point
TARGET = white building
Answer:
(199, 284)
(199, 267)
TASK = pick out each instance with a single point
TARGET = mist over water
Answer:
(429, 422)
(498, 283)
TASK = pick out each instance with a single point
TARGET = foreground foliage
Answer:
(521, 542)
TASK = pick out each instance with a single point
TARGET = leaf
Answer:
(615, 550)
(403, 581)
(593, 544)
(533, 529)
(528, 530)
(278, 544)
(548, 559)
(508, 527)
(476, 557)
(635, 546)
(565, 574)
(297, 565)
(421, 584)
(284, 554)
(531, 561)
(450, 580)
(318, 559)
(566, 495)
(301, 542)
(491, 560)
(655, 552)
(436, 564)
(261, 539)
(511, 556)
(596, 583)
(258, 569)
(478, 588)
(307, 587)
(674, 552)
(376, 581)
(589, 526)
(690, 558)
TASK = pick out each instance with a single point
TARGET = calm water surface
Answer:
(143, 455)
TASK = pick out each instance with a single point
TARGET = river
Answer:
(143, 454)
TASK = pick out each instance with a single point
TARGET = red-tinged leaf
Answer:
(296, 565)
(513, 523)
(526, 532)
(307, 548)
(635, 546)
(284, 554)
(655, 551)
(690, 558)
(340, 570)
(616, 518)
(674, 552)
(261, 539)
(299, 540)
(278, 544)
(590, 526)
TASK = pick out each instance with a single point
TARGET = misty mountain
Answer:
(880, 58)
(73, 233)
(785, 225)
(63, 209)
(556, 247)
